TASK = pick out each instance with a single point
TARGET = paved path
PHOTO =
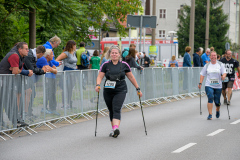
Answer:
(176, 131)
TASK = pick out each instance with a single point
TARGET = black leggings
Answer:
(114, 102)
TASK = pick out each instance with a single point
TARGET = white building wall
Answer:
(172, 7)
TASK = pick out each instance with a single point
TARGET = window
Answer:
(178, 13)
(162, 13)
(162, 33)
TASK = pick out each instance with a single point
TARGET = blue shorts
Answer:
(213, 94)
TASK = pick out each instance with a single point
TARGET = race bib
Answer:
(214, 81)
(226, 79)
(110, 84)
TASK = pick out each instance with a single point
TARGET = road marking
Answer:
(184, 148)
(216, 132)
(236, 122)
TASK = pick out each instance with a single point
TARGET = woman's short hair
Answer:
(47, 53)
(69, 46)
(40, 49)
(55, 39)
(188, 49)
(107, 56)
(96, 53)
(212, 49)
(173, 58)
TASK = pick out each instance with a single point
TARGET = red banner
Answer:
(236, 84)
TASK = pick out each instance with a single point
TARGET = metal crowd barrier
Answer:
(49, 99)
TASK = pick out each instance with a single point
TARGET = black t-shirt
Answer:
(230, 66)
(114, 70)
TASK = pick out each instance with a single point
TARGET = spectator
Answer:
(187, 57)
(173, 62)
(201, 52)
(103, 58)
(53, 43)
(31, 59)
(50, 84)
(68, 56)
(79, 56)
(12, 63)
(130, 59)
(30, 63)
(95, 61)
(218, 57)
(197, 58)
(211, 49)
(145, 60)
(70, 63)
(205, 57)
(125, 52)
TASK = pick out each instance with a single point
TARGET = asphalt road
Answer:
(176, 131)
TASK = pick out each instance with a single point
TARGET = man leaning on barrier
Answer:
(50, 84)
(12, 63)
(30, 63)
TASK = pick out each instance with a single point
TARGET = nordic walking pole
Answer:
(142, 113)
(200, 102)
(200, 86)
(97, 115)
(228, 111)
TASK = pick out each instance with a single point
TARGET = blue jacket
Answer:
(187, 60)
(196, 60)
(47, 45)
(205, 58)
(176, 63)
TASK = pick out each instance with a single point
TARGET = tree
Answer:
(69, 19)
(218, 27)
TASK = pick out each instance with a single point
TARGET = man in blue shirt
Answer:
(206, 57)
(53, 43)
(46, 60)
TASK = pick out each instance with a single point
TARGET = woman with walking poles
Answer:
(216, 73)
(115, 87)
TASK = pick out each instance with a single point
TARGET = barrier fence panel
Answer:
(38, 99)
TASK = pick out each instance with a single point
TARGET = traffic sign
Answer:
(227, 46)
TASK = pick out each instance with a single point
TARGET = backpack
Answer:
(125, 53)
(84, 59)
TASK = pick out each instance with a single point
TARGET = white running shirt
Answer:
(213, 73)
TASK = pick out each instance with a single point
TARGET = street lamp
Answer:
(172, 35)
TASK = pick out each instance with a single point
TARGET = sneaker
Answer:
(116, 132)
(209, 117)
(217, 114)
(55, 113)
(225, 101)
(46, 111)
(228, 102)
(111, 134)
(21, 124)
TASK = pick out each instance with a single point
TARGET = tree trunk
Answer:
(32, 28)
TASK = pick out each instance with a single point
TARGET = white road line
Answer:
(184, 148)
(216, 132)
(236, 122)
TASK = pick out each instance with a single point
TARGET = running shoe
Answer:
(209, 117)
(228, 103)
(111, 134)
(225, 101)
(116, 132)
(55, 113)
(46, 111)
(21, 124)
(217, 114)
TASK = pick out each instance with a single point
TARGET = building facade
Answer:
(168, 11)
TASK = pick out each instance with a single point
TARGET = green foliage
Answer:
(68, 19)
(218, 26)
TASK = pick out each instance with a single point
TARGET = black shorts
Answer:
(226, 85)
